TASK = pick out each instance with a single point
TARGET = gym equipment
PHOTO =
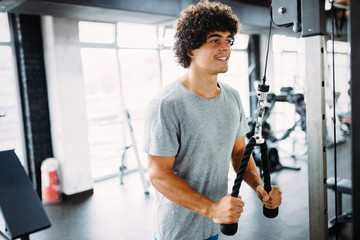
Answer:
(345, 122)
(231, 229)
(344, 186)
(123, 169)
(256, 139)
(20, 205)
(287, 95)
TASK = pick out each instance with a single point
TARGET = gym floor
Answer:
(117, 211)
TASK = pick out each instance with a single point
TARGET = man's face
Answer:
(213, 56)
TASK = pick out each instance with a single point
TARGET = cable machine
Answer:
(307, 17)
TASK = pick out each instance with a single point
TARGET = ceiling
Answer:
(253, 14)
(264, 3)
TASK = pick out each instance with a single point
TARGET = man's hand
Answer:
(227, 210)
(271, 200)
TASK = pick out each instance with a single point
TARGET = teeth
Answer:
(222, 58)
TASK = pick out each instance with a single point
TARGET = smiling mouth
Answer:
(222, 58)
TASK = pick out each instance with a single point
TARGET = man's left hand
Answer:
(271, 200)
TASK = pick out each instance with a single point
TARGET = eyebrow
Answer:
(218, 35)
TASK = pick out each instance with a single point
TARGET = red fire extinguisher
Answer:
(49, 181)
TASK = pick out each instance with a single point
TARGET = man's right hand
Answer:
(228, 210)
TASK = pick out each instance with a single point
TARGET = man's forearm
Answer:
(178, 191)
(251, 176)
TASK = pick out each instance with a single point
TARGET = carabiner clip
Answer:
(263, 89)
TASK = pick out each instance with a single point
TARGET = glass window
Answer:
(241, 42)
(100, 70)
(11, 134)
(169, 39)
(103, 102)
(140, 77)
(342, 75)
(145, 63)
(283, 43)
(289, 71)
(131, 35)
(237, 77)
(171, 70)
(340, 47)
(10, 124)
(93, 32)
(4, 28)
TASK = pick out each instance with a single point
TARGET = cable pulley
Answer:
(256, 140)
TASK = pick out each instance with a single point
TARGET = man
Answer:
(194, 127)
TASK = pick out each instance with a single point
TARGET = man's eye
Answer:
(214, 40)
(231, 42)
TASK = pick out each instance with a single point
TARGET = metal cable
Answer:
(334, 108)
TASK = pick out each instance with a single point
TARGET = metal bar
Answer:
(355, 109)
(4, 236)
(316, 137)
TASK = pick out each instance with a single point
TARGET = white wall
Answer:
(67, 103)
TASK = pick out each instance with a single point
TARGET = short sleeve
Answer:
(243, 125)
(161, 130)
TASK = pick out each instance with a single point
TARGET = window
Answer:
(131, 64)
(132, 35)
(10, 124)
(237, 77)
(171, 70)
(289, 71)
(140, 77)
(104, 32)
(121, 68)
(342, 74)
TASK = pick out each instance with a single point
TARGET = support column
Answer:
(355, 108)
(254, 70)
(28, 45)
(316, 136)
(67, 104)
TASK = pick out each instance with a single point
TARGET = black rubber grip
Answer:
(281, 98)
(263, 87)
(269, 213)
(231, 229)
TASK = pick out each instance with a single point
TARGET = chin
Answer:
(223, 70)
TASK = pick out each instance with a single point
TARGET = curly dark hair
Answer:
(196, 22)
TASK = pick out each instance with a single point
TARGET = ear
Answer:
(190, 53)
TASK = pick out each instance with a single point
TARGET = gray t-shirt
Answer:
(201, 134)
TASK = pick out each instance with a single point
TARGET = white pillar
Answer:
(67, 103)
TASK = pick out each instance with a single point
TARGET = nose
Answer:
(225, 46)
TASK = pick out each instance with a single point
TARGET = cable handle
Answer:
(269, 213)
(231, 229)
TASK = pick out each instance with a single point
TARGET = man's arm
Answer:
(252, 177)
(177, 190)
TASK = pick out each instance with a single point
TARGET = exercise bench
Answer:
(21, 211)
(344, 186)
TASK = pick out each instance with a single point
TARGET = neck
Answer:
(201, 84)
